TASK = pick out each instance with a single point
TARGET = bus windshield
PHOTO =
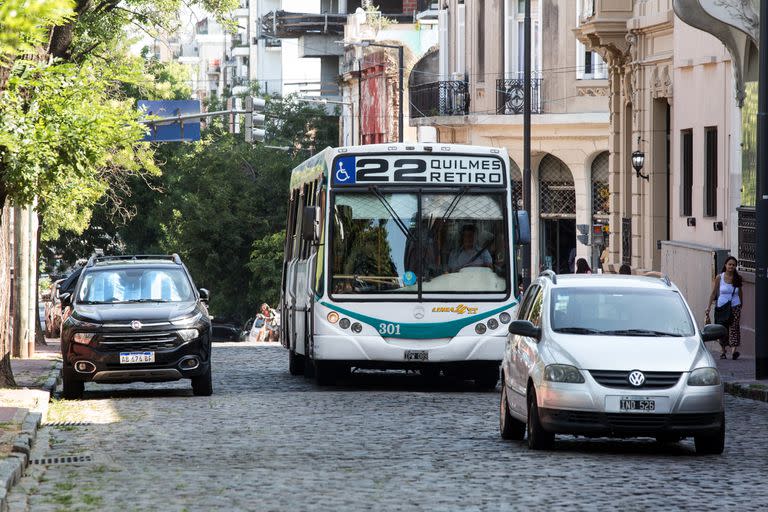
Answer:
(443, 242)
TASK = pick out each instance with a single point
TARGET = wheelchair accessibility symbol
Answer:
(345, 171)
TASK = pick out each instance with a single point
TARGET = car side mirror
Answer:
(66, 299)
(205, 296)
(525, 328)
(310, 224)
(713, 332)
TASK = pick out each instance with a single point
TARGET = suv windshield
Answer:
(124, 285)
(620, 312)
(382, 245)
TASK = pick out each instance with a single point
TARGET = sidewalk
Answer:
(22, 409)
(739, 377)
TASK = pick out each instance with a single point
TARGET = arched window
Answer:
(600, 191)
(557, 194)
(516, 177)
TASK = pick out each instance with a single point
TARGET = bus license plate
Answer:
(627, 404)
(137, 357)
(416, 355)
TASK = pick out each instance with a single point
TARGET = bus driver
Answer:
(469, 255)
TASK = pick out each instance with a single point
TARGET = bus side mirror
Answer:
(310, 224)
(523, 227)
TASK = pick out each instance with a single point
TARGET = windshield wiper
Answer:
(640, 332)
(398, 221)
(145, 300)
(578, 330)
(94, 302)
(453, 205)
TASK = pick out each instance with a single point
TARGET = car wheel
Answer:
(712, 443)
(509, 427)
(295, 363)
(71, 388)
(202, 385)
(538, 438)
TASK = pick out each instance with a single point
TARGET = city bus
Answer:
(400, 256)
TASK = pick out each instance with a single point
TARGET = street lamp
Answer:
(400, 65)
(638, 160)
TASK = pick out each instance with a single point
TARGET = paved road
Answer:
(270, 441)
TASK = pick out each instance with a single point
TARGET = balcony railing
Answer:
(447, 98)
(747, 232)
(509, 96)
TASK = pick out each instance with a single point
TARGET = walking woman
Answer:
(726, 290)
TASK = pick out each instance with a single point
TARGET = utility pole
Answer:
(761, 260)
(32, 281)
(527, 270)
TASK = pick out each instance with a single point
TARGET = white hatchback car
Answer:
(615, 356)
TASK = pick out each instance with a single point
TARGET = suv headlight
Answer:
(188, 334)
(80, 324)
(186, 320)
(704, 377)
(563, 373)
(83, 338)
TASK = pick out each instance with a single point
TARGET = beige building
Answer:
(471, 91)
(675, 96)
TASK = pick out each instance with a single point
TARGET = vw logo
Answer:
(135, 325)
(418, 312)
(636, 378)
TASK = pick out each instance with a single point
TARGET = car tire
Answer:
(509, 427)
(538, 438)
(295, 363)
(202, 385)
(712, 443)
(71, 388)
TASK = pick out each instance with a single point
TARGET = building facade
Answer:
(473, 94)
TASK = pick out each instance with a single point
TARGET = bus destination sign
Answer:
(421, 169)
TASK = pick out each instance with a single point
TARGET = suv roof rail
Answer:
(666, 280)
(133, 257)
(550, 274)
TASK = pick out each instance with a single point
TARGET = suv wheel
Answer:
(202, 385)
(295, 363)
(509, 427)
(713, 443)
(71, 388)
(538, 438)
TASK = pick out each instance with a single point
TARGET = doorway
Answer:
(558, 244)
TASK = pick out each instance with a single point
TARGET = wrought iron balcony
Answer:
(446, 98)
(509, 96)
(747, 242)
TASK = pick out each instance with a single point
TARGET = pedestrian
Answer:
(727, 296)
(582, 267)
(604, 258)
(625, 269)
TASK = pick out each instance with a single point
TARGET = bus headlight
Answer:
(493, 324)
(480, 328)
(333, 317)
(505, 318)
(357, 328)
(344, 323)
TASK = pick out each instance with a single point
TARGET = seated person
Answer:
(469, 255)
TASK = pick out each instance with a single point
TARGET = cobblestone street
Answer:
(269, 441)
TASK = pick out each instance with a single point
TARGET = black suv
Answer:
(136, 318)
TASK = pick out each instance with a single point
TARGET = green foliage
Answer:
(266, 264)
(24, 24)
(63, 137)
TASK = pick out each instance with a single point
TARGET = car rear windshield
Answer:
(115, 286)
(620, 312)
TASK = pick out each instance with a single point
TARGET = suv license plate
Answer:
(416, 355)
(137, 357)
(637, 405)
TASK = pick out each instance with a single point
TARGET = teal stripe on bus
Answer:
(447, 329)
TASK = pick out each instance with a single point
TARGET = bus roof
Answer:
(317, 165)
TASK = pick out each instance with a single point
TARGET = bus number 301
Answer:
(389, 329)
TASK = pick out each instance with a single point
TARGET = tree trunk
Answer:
(39, 334)
(6, 372)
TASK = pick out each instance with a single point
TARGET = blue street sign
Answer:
(189, 130)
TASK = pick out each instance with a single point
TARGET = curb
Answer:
(746, 391)
(12, 467)
(54, 377)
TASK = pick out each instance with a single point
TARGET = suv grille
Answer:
(157, 340)
(620, 379)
